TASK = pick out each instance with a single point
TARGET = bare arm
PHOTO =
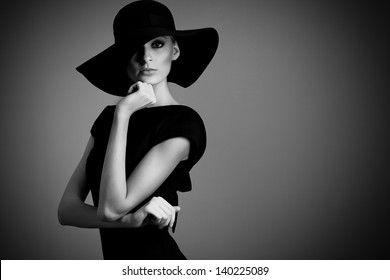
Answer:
(73, 211)
(118, 194)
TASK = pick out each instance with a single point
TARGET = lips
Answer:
(147, 71)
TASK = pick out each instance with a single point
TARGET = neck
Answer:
(163, 95)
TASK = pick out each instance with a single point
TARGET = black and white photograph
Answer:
(194, 130)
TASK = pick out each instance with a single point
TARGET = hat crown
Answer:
(139, 15)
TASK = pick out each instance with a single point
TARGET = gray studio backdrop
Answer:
(293, 103)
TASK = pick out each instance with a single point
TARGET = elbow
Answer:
(106, 214)
(66, 211)
(62, 214)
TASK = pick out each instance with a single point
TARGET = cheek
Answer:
(166, 61)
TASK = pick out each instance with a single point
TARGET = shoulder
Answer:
(186, 114)
(184, 119)
(184, 122)
(188, 111)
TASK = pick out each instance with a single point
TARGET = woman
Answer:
(140, 151)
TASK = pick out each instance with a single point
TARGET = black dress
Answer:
(147, 128)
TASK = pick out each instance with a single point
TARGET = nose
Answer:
(144, 55)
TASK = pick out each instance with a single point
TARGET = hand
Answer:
(140, 95)
(156, 212)
(161, 213)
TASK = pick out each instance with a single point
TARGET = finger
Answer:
(167, 216)
(170, 210)
(164, 221)
(133, 88)
(176, 209)
(163, 211)
(166, 206)
(163, 217)
(164, 202)
(156, 215)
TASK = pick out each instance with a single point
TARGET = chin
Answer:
(150, 80)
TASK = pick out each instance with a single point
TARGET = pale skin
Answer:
(150, 67)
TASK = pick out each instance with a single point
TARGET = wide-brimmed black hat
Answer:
(136, 24)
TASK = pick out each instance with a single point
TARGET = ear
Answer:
(176, 51)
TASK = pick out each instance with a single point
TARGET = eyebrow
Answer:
(165, 37)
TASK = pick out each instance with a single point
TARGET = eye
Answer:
(157, 44)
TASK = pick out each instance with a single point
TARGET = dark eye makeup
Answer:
(158, 43)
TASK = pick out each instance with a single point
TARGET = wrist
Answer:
(133, 220)
(122, 114)
(127, 221)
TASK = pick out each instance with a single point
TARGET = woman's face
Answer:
(152, 63)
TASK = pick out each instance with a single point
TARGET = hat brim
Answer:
(108, 69)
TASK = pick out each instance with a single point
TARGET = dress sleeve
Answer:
(102, 125)
(186, 123)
